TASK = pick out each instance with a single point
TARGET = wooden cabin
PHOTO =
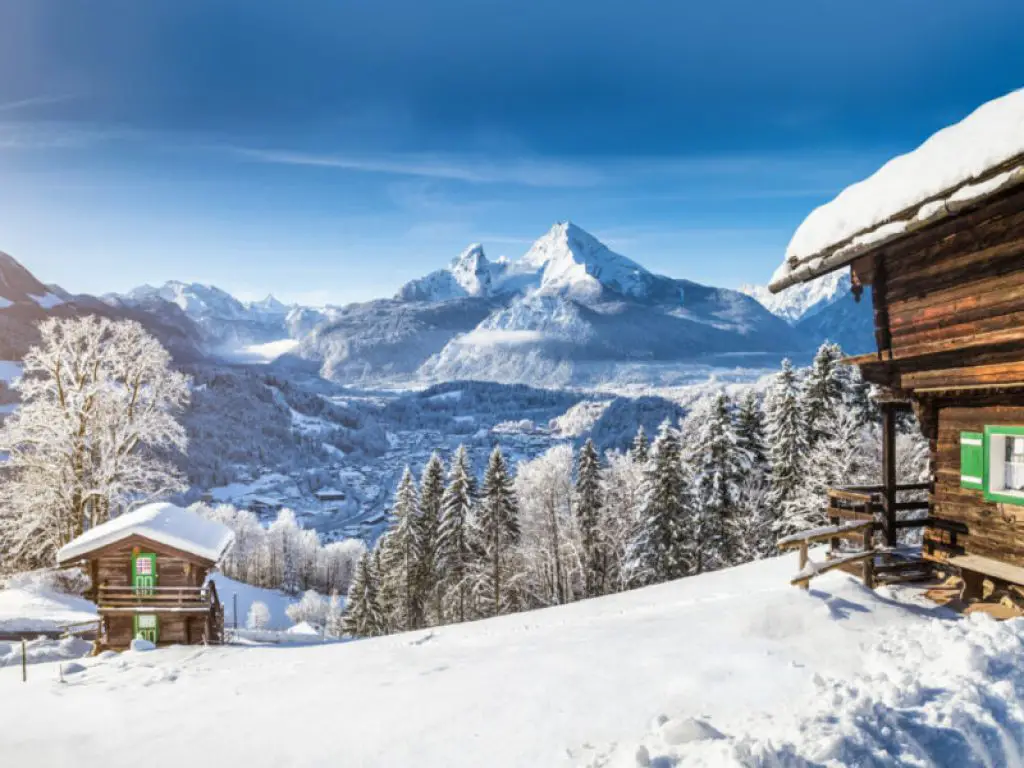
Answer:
(148, 570)
(938, 236)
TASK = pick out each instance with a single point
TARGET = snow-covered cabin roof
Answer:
(161, 522)
(954, 169)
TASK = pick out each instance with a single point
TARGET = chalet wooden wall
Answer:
(994, 530)
(174, 629)
(113, 567)
(949, 301)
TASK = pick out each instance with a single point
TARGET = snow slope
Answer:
(27, 607)
(761, 673)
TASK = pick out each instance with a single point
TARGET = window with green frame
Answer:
(993, 462)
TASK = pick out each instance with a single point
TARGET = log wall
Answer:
(175, 629)
(949, 317)
(113, 567)
(950, 311)
(993, 529)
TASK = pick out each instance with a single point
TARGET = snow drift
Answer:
(730, 668)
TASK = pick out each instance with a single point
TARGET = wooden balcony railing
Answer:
(868, 502)
(156, 598)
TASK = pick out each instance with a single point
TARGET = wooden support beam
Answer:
(889, 472)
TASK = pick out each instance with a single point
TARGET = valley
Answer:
(569, 342)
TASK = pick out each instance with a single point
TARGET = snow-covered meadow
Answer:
(729, 668)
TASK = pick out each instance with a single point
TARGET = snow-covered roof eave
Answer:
(205, 539)
(955, 169)
(925, 214)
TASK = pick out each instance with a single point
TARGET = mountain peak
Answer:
(270, 306)
(577, 263)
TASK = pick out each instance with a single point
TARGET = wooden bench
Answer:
(974, 569)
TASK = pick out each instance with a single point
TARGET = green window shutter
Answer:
(972, 460)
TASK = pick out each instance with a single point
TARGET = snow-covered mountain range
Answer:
(823, 309)
(25, 301)
(570, 310)
(224, 321)
(804, 300)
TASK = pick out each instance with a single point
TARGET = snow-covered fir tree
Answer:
(431, 493)
(786, 436)
(498, 536)
(640, 449)
(454, 539)
(334, 626)
(750, 431)
(822, 392)
(588, 503)
(622, 479)
(364, 616)
(841, 457)
(717, 464)
(659, 550)
(401, 555)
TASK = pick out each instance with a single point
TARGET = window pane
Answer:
(1018, 448)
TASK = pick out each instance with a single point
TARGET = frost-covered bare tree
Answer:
(93, 436)
(623, 481)
(550, 545)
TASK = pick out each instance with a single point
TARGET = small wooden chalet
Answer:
(149, 571)
(938, 236)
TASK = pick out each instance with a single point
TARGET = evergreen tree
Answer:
(454, 550)
(334, 624)
(750, 431)
(718, 464)
(431, 493)
(822, 393)
(658, 551)
(641, 448)
(388, 597)
(363, 616)
(588, 506)
(787, 445)
(402, 555)
(498, 532)
(840, 458)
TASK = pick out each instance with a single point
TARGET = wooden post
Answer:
(889, 472)
(806, 583)
(24, 662)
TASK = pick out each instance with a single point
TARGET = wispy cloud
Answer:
(34, 101)
(766, 175)
(529, 172)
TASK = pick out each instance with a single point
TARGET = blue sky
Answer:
(329, 151)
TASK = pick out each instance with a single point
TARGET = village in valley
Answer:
(558, 510)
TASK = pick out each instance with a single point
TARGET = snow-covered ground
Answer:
(730, 668)
(232, 593)
(29, 604)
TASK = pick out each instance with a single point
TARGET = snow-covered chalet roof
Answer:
(954, 169)
(163, 523)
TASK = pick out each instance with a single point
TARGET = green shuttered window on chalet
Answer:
(1004, 464)
(972, 460)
